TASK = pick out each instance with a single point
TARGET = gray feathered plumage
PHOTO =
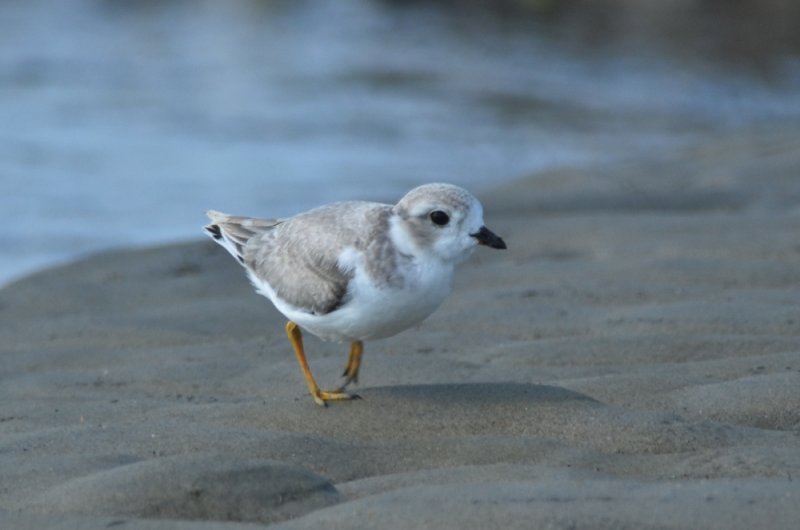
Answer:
(299, 257)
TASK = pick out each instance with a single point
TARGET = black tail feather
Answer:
(214, 231)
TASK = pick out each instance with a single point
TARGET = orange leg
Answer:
(320, 396)
(350, 374)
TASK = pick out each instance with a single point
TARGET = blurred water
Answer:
(121, 122)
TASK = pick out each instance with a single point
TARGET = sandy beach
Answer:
(631, 361)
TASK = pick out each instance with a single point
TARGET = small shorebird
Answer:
(355, 271)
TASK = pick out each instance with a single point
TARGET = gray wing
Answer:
(298, 257)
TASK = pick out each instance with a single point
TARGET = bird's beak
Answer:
(489, 238)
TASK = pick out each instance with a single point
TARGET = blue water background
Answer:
(121, 122)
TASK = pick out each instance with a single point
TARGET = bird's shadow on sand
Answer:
(496, 393)
(425, 410)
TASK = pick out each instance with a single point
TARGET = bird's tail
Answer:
(233, 232)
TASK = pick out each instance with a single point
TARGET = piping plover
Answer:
(355, 271)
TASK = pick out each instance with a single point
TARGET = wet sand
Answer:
(632, 361)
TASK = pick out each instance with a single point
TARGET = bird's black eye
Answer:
(440, 218)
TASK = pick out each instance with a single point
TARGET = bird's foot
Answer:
(321, 397)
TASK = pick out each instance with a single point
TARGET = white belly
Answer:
(377, 312)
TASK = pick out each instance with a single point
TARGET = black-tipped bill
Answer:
(489, 238)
